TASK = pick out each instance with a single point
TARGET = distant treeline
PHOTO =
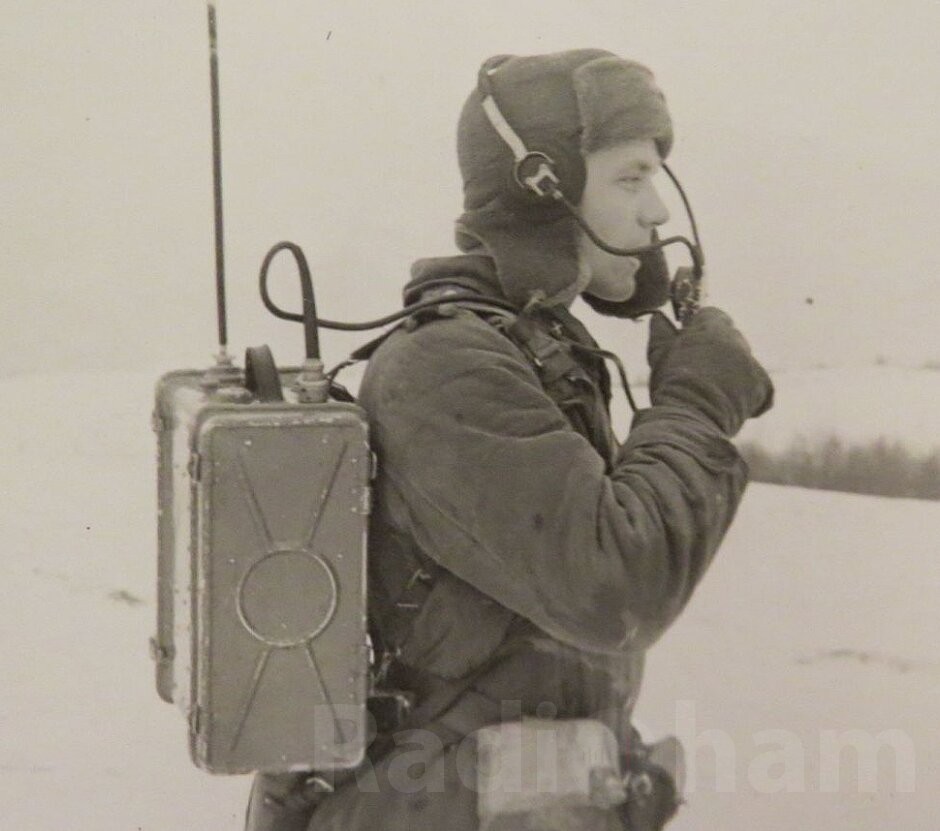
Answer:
(881, 467)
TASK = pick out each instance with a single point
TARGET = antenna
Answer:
(217, 184)
(225, 378)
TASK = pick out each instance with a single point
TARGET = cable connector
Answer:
(312, 385)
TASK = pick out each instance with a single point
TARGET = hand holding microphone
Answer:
(707, 367)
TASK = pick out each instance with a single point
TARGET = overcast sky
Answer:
(807, 138)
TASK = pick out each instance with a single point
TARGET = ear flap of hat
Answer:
(652, 289)
(529, 257)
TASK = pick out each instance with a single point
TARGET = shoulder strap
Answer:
(550, 357)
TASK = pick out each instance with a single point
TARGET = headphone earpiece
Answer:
(535, 173)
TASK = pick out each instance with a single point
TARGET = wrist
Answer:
(702, 411)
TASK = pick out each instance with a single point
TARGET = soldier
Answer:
(522, 560)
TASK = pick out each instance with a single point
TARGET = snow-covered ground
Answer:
(86, 744)
(820, 614)
(816, 626)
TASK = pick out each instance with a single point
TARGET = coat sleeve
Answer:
(480, 467)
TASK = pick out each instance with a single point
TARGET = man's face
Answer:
(621, 205)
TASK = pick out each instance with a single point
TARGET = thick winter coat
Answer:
(548, 557)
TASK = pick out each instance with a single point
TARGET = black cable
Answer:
(407, 311)
(312, 322)
(630, 252)
(700, 258)
(309, 315)
(621, 371)
(695, 249)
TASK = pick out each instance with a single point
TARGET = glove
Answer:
(707, 367)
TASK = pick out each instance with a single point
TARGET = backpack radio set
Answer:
(263, 492)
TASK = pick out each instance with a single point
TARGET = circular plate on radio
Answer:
(287, 597)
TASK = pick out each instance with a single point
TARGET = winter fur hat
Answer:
(565, 105)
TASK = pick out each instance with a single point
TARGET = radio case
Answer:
(261, 620)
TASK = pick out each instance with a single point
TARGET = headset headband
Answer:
(533, 170)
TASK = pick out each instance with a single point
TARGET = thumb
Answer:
(662, 334)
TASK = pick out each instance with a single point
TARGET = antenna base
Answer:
(225, 381)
